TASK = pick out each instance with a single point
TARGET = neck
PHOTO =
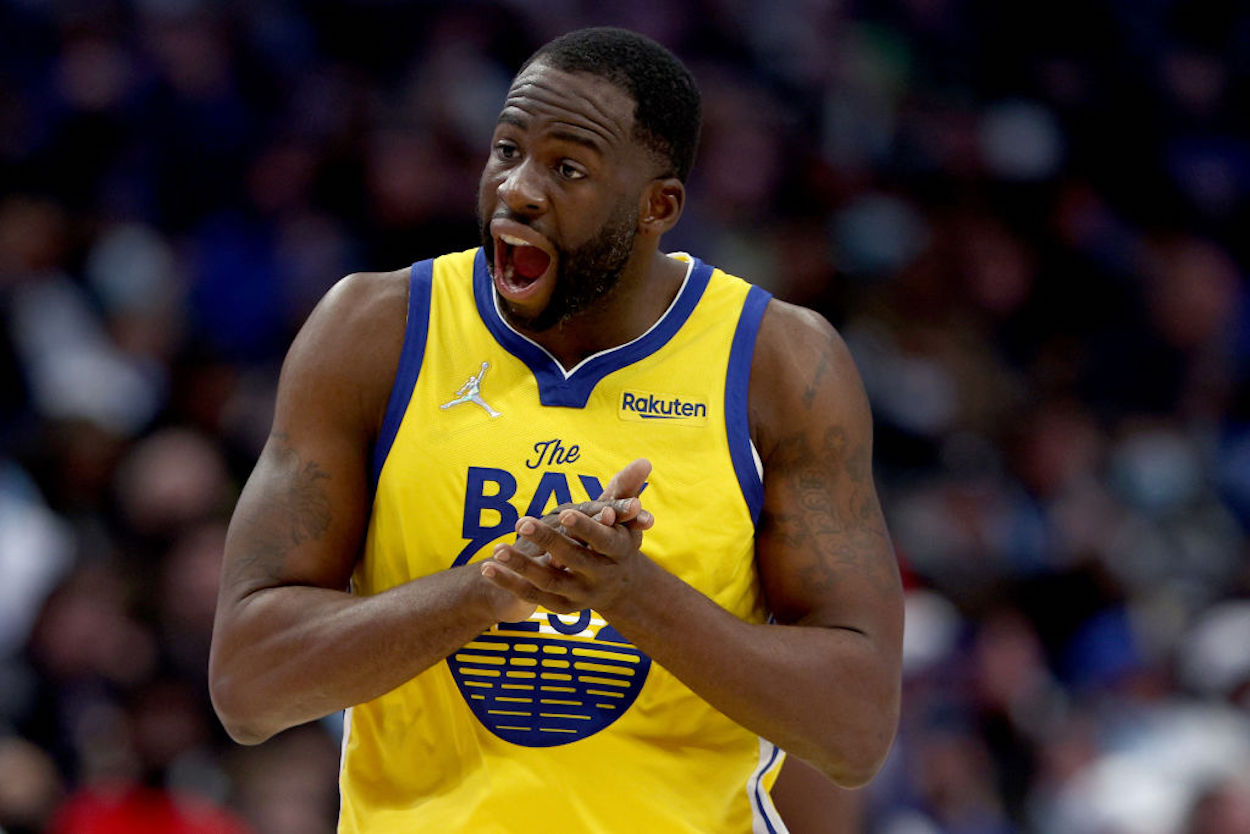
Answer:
(641, 296)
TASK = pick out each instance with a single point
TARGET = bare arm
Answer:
(290, 644)
(824, 683)
(824, 553)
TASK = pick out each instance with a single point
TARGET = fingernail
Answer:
(526, 528)
(502, 557)
(488, 570)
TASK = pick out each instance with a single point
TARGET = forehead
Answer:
(588, 106)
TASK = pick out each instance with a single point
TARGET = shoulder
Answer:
(791, 338)
(801, 374)
(348, 350)
(363, 315)
(360, 299)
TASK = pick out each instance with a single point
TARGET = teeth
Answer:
(514, 241)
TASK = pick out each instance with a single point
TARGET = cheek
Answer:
(584, 219)
(488, 183)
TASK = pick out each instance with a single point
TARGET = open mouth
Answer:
(518, 263)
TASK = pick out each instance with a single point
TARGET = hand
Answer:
(605, 510)
(580, 556)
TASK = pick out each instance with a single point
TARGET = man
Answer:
(601, 667)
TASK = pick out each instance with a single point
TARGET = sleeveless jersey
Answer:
(559, 723)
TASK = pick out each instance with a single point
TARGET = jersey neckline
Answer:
(572, 388)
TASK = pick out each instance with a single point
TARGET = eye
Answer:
(569, 171)
(506, 150)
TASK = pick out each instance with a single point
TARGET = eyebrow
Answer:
(508, 118)
(577, 139)
(562, 134)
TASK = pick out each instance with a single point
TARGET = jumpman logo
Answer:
(471, 392)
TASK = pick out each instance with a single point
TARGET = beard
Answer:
(583, 275)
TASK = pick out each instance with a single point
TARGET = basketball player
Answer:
(445, 532)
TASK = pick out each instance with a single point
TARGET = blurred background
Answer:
(1029, 220)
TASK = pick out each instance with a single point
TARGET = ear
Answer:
(660, 205)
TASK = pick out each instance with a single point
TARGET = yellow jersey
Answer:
(559, 723)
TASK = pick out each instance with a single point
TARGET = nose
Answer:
(522, 189)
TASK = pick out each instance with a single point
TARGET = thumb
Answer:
(628, 482)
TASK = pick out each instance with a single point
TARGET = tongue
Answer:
(530, 261)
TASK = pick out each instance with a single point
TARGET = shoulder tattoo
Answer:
(826, 359)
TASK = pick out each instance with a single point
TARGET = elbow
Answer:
(852, 759)
(852, 773)
(241, 721)
(239, 699)
(852, 769)
(856, 736)
(243, 733)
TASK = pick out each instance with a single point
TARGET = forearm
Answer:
(824, 694)
(290, 654)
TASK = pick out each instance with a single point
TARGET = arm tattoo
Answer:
(833, 523)
(809, 395)
(283, 518)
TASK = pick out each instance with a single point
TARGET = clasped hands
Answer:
(579, 556)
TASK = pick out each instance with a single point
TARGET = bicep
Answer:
(298, 520)
(824, 553)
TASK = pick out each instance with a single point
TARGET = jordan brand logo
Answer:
(471, 392)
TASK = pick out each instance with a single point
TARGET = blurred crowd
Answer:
(1027, 219)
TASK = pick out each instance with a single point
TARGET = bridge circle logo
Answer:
(549, 680)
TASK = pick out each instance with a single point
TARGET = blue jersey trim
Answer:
(420, 282)
(572, 391)
(760, 802)
(737, 397)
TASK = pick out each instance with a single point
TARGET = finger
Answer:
(608, 511)
(538, 572)
(565, 552)
(557, 588)
(619, 510)
(551, 519)
(626, 511)
(641, 520)
(525, 546)
(520, 586)
(529, 547)
(645, 521)
(628, 482)
(623, 511)
(612, 542)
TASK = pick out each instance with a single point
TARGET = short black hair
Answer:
(667, 117)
